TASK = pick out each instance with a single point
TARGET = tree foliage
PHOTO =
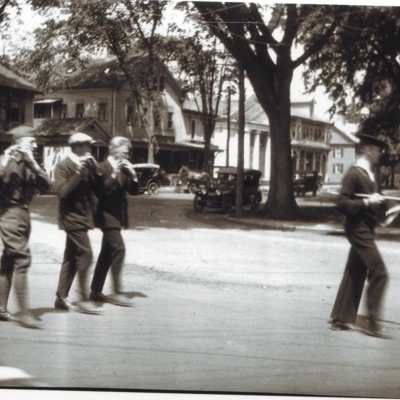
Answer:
(261, 39)
(76, 32)
(204, 68)
(360, 68)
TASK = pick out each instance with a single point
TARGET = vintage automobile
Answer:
(150, 177)
(306, 181)
(222, 193)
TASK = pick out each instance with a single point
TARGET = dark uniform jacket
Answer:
(361, 219)
(76, 194)
(18, 183)
(112, 207)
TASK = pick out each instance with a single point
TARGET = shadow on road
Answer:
(132, 295)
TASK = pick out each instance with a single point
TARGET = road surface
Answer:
(217, 308)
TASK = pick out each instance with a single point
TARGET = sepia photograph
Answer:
(199, 199)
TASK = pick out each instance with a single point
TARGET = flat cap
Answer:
(367, 139)
(22, 131)
(80, 138)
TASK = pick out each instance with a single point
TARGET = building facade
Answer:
(16, 105)
(310, 139)
(101, 93)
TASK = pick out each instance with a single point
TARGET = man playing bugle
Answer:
(119, 177)
(20, 176)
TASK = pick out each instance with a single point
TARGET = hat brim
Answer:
(371, 140)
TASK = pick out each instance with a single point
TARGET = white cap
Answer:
(80, 138)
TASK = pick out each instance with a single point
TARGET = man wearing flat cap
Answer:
(20, 176)
(77, 178)
(360, 202)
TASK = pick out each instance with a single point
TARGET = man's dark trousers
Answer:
(364, 262)
(112, 255)
(78, 257)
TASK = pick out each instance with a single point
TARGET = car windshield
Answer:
(225, 178)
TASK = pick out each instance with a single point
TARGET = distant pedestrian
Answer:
(77, 177)
(364, 261)
(111, 216)
(20, 176)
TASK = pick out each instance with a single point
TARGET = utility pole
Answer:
(228, 137)
(240, 166)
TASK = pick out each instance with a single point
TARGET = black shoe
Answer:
(98, 297)
(5, 315)
(62, 303)
(337, 325)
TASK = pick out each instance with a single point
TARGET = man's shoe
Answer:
(87, 307)
(119, 300)
(337, 325)
(375, 330)
(98, 297)
(28, 321)
(62, 303)
(5, 315)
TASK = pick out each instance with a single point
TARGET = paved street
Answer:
(218, 307)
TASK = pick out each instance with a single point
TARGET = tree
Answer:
(204, 68)
(269, 66)
(365, 74)
(76, 32)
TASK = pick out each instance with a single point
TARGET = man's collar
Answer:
(74, 158)
(365, 165)
(112, 161)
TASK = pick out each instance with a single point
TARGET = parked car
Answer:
(150, 177)
(306, 181)
(222, 193)
(192, 181)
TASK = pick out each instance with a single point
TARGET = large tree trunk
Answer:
(281, 202)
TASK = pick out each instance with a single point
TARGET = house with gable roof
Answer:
(98, 101)
(16, 105)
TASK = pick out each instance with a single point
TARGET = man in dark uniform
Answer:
(119, 177)
(20, 175)
(364, 260)
(77, 177)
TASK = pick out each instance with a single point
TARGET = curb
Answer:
(321, 229)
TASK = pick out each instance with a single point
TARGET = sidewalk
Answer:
(318, 215)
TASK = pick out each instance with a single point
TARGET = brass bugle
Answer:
(369, 195)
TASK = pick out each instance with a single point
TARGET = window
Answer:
(303, 129)
(309, 161)
(294, 161)
(129, 115)
(338, 168)
(317, 161)
(161, 84)
(193, 133)
(170, 121)
(338, 152)
(39, 111)
(80, 110)
(157, 119)
(14, 111)
(64, 111)
(293, 132)
(301, 161)
(103, 112)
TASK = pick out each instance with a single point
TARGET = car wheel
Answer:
(141, 191)
(256, 204)
(177, 188)
(192, 188)
(152, 188)
(227, 204)
(198, 204)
